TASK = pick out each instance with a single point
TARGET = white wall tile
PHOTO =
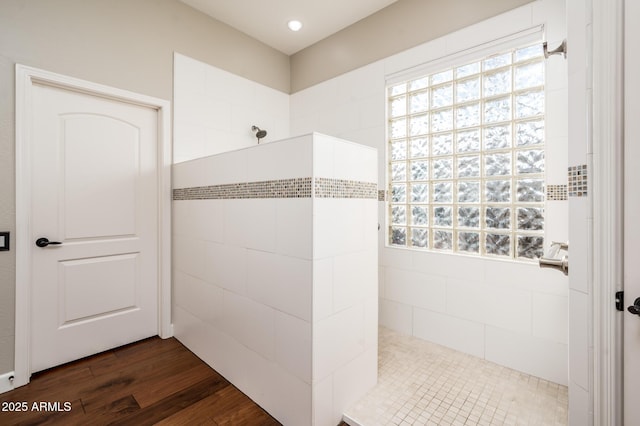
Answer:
(226, 267)
(371, 322)
(459, 267)
(225, 354)
(360, 83)
(557, 229)
(351, 273)
(520, 351)
(188, 256)
(339, 119)
(579, 338)
(396, 316)
(353, 380)
(337, 340)
(467, 299)
(189, 142)
(509, 308)
(187, 174)
(293, 345)
(354, 162)
(557, 114)
(228, 87)
(338, 226)
(180, 217)
(286, 159)
(228, 168)
(197, 297)
(415, 289)
(581, 412)
(323, 413)
(323, 156)
(236, 217)
(394, 257)
(260, 227)
(322, 288)
(371, 110)
(291, 397)
(259, 333)
(233, 308)
(208, 217)
(316, 98)
(210, 102)
(556, 75)
(281, 282)
(462, 335)
(553, 15)
(294, 226)
(525, 275)
(550, 316)
(579, 232)
(556, 163)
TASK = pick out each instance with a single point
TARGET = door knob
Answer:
(635, 308)
(44, 241)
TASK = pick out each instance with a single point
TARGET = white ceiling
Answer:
(266, 20)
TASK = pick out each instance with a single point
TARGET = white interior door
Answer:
(94, 190)
(631, 367)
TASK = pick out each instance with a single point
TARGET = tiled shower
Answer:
(512, 313)
(275, 281)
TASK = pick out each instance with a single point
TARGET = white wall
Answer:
(214, 110)
(512, 313)
(579, 29)
(279, 293)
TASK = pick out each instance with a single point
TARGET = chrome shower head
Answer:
(259, 133)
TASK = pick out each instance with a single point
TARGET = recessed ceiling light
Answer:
(294, 25)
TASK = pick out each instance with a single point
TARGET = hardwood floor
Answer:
(150, 382)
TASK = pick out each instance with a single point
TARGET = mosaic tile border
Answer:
(283, 188)
(578, 181)
(556, 192)
(338, 188)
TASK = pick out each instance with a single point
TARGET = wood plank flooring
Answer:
(153, 381)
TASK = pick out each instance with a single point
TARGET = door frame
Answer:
(607, 251)
(26, 78)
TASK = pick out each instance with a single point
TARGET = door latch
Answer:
(620, 301)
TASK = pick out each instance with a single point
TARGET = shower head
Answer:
(259, 133)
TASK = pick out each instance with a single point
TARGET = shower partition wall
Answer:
(275, 272)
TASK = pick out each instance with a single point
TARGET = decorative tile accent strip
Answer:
(283, 188)
(382, 195)
(338, 188)
(556, 192)
(577, 181)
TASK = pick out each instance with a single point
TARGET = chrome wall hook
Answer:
(562, 49)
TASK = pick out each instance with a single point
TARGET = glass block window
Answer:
(466, 158)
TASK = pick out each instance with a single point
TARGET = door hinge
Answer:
(620, 300)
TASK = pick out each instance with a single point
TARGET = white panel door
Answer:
(94, 190)
(631, 322)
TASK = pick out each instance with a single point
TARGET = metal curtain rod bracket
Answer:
(562, 49)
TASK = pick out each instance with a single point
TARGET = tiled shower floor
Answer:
(421, 383)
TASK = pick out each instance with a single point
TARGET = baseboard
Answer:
(6, 382)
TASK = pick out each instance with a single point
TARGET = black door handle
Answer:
(44, 241)
(635, 308)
